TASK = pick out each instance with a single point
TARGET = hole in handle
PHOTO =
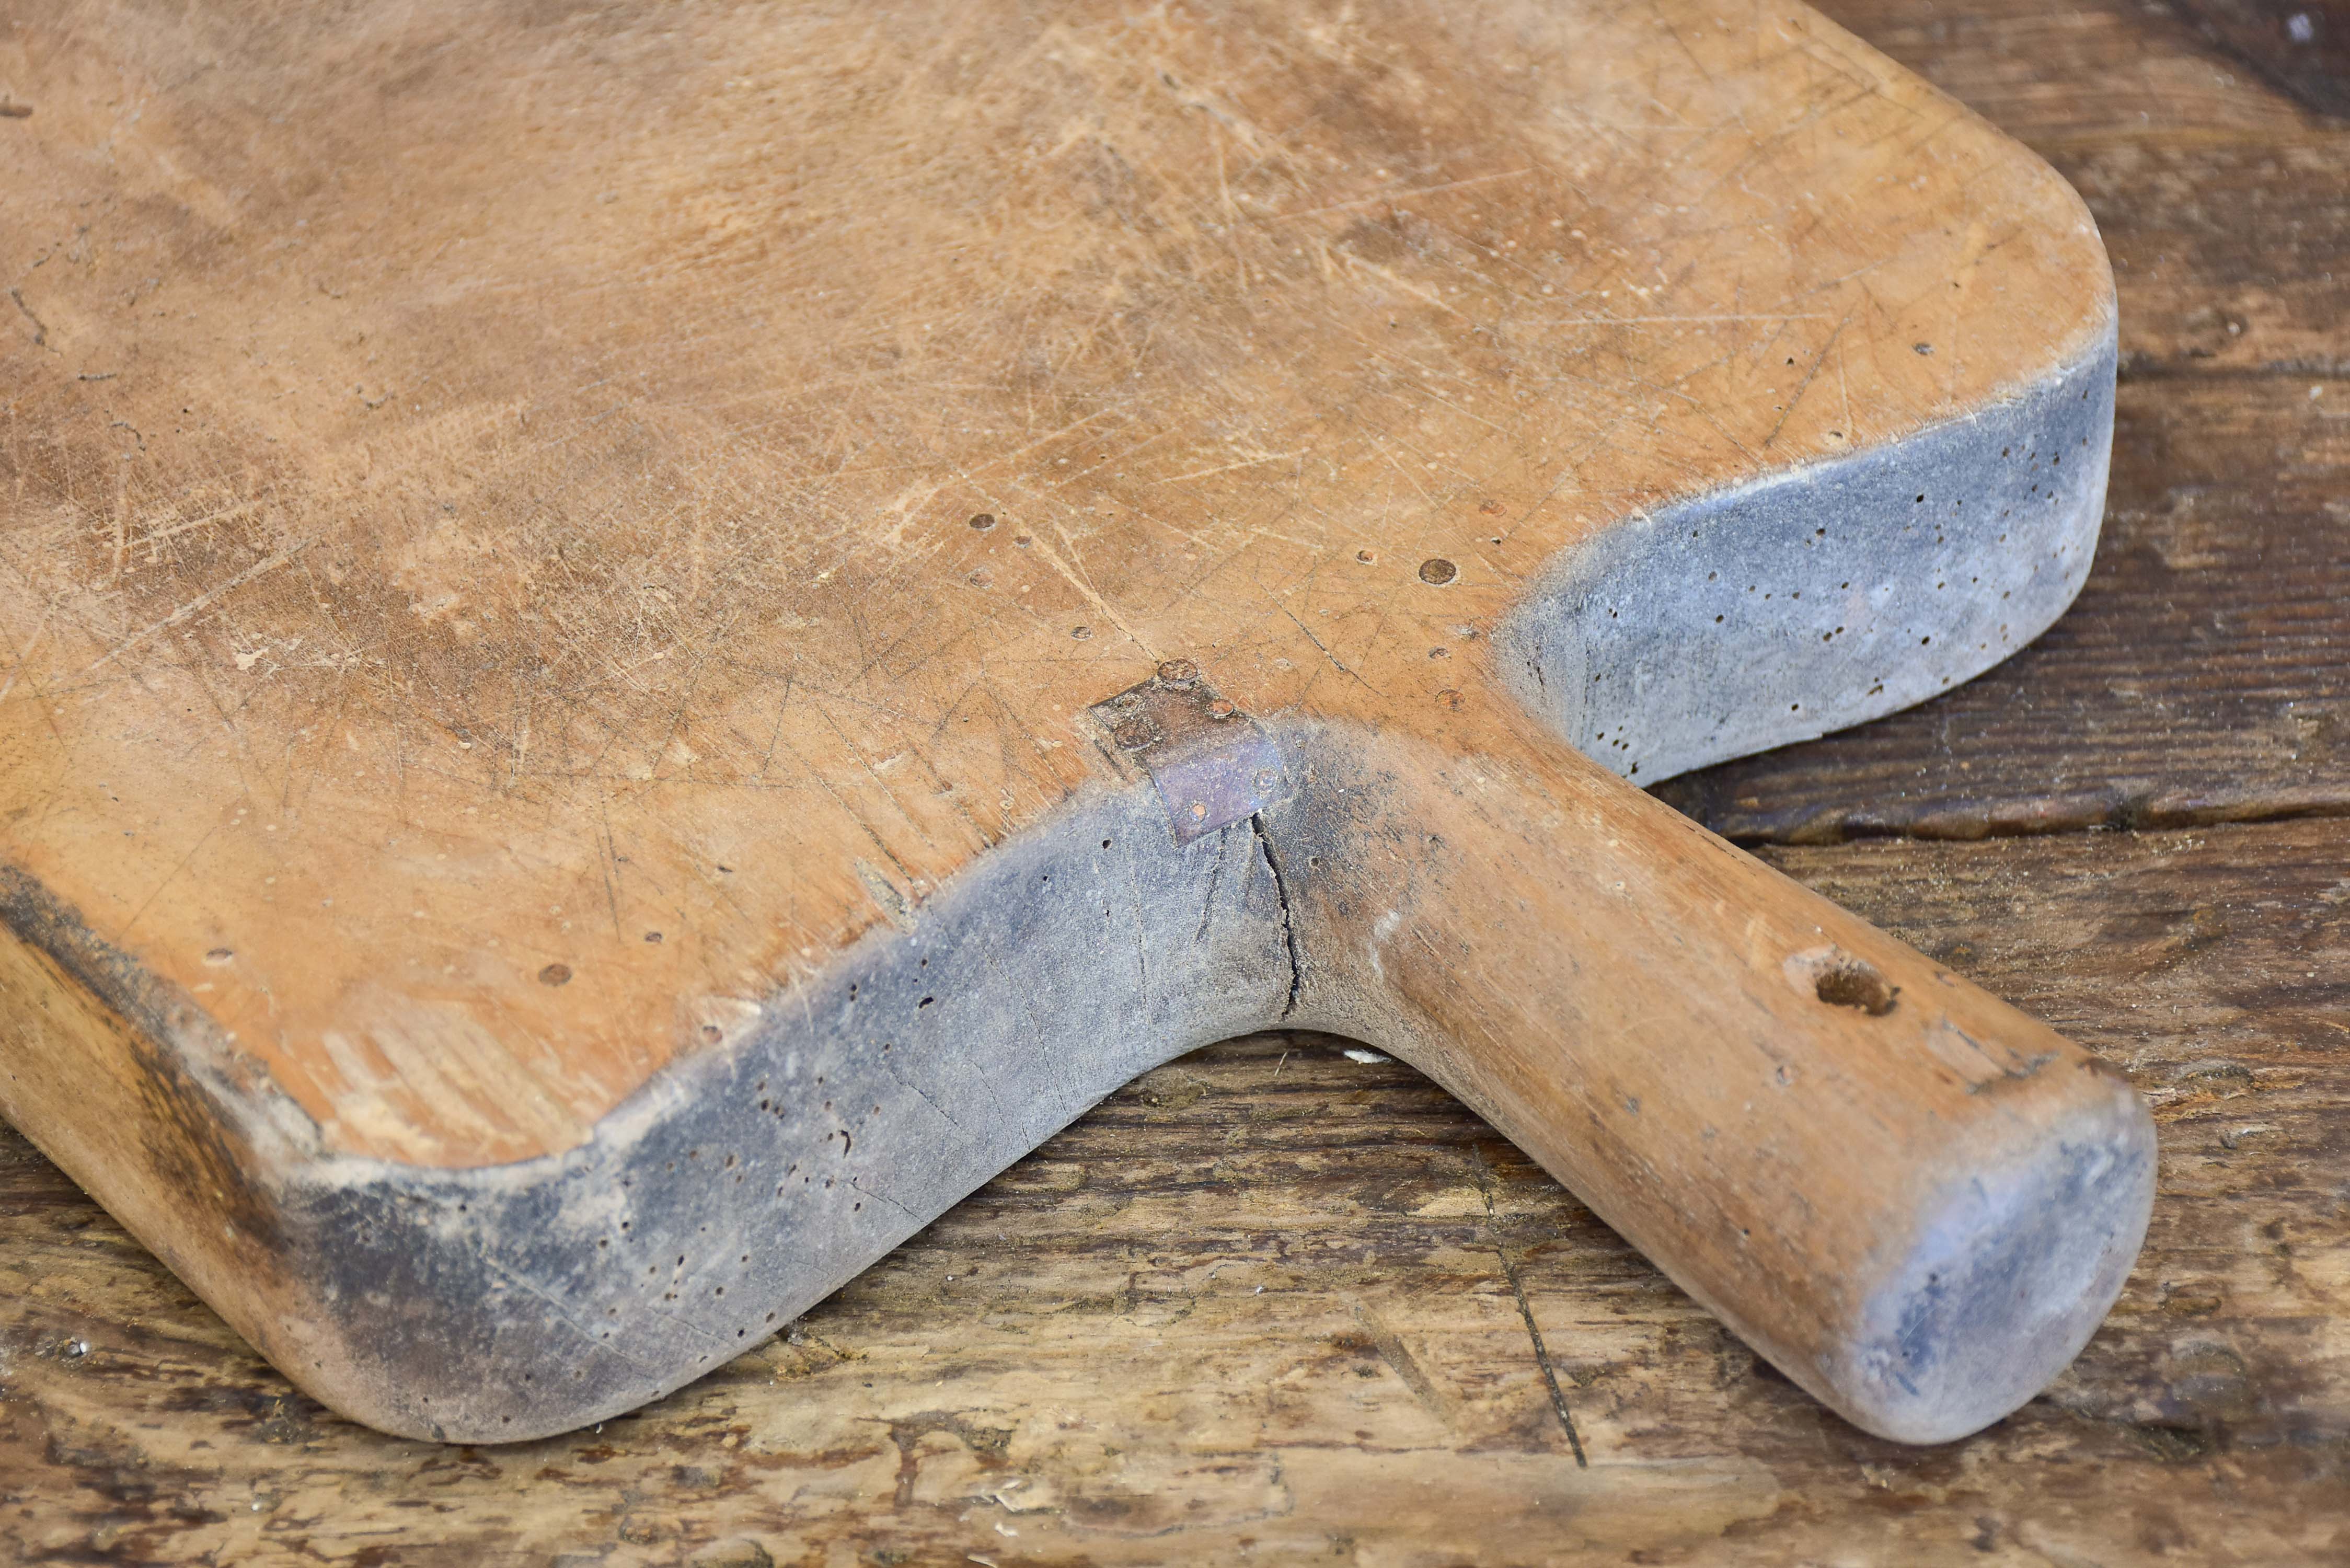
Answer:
(1848, 982)
(1838, 979)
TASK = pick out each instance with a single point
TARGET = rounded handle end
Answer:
(2007, 1273)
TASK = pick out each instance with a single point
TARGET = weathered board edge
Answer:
(420, 1301)
(1648, 648)
(420, 1297)
(188, 1143)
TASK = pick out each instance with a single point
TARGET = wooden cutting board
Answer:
(642, 644)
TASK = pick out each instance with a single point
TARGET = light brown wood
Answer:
(547, 503)
(1843, 1148)
(1265, 1305)
(2202, 1424)
(498, 592)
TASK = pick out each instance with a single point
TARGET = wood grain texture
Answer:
(2219, 200)
(571, 609)
(2302, 49)
(488, 616)
(1273, 1304)
(2188, 1431)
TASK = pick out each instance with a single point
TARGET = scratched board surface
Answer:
(2203, 1423)
(525, 532)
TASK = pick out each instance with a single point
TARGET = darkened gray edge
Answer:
(2028, 1250)
(744, 1184)
(748, 1180)
(1777, 611)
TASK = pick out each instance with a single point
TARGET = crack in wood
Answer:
(1288, 924)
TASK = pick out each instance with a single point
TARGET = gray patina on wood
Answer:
(560, 704)
(1273, 1303)
(1114, 1390)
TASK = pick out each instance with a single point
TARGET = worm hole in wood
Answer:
(1850, 983)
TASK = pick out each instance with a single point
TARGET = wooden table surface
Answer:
(1273, 1304)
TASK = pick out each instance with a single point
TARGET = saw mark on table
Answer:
(40, 330)
(1796, 397)
(1336, 663)
(1215, 880)
(608, 863)
(857, 755)
(1404, 192)
(943, 788)
(157, 891)
(1525, 1309)
(889, 1061)
(606, 1344)
(1085, 586)
(17, 668)
(857, 1184)
(1400, 1358)
(1224, 468)
(1141, 931)
(855, 817)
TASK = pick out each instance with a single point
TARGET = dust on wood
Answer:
(2198, 678)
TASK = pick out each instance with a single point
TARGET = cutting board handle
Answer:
(1914, 1199)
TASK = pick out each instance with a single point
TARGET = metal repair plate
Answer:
(1211, 763)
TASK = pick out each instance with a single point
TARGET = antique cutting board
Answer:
(640, 643)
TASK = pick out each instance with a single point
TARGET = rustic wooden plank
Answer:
(2300, 47)
(2198, 676)
(2204, 1425)
(2225, 204)
(1270, 1304)
(605, 585)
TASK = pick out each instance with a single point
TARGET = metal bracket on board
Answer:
(1209, 762)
